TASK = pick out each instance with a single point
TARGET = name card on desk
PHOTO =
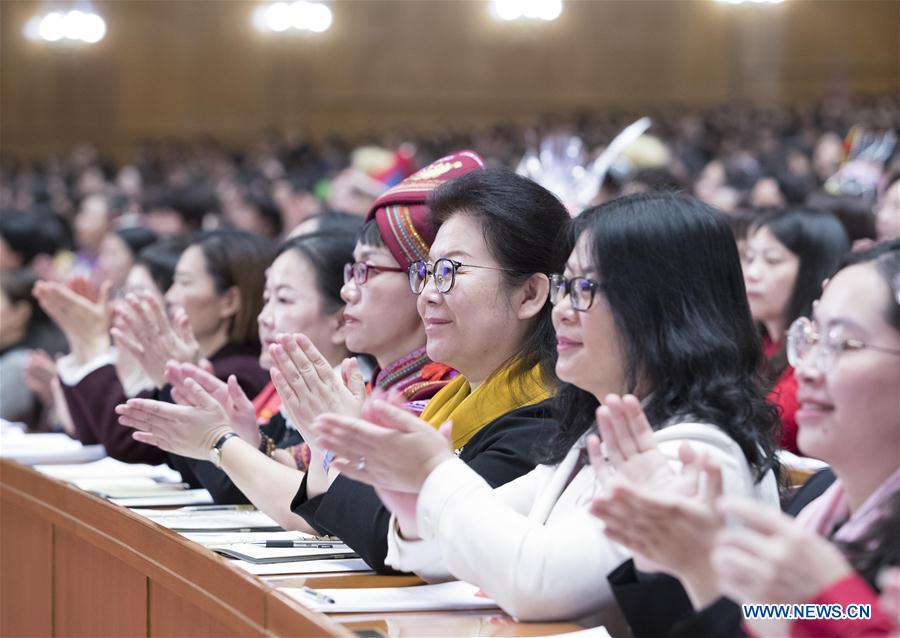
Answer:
(441, 597)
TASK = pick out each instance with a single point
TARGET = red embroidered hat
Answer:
(401, 213)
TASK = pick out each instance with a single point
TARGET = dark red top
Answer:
(852, 590)
(92, 402)
(784, 396)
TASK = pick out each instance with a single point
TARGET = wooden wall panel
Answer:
(173, 616)
(26, 546)
(186, 67)
(95, 593)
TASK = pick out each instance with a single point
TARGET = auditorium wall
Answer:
(181, 68)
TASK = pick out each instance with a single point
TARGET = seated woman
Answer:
(656, 306)
(216, 295)
(495, 239)
(788, 255)
(119, 251)
(846, 362)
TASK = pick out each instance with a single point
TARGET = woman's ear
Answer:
(533, 296)
(230, 303)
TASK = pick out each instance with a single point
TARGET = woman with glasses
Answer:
(651, 303)
(788, 254)
(847, 362)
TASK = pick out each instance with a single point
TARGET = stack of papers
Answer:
(216, 518)
(52, 447)
(309, 551)
(442, 597)
(304, 567)
(165, 498)
(109, 468)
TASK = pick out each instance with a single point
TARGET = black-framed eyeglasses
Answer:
(806, 345)
(444, 272)
(580, 289)
(359, 271)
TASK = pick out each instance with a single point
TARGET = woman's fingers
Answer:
(282, 361)
(638, 426)
(608, 434)
(620, 424)
(238, 399)
(124, 340)
(320, 365)
(353, 378)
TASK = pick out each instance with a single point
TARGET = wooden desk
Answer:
(76, 565)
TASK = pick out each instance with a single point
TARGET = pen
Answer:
(285, 544)
(322, 598)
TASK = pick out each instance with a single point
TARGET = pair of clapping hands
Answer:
(138, 324)
(206, 407)
(675, 523)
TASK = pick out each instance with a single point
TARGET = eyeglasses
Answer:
(359, 271)
(444, 272)
(581, 290)
(807, 346)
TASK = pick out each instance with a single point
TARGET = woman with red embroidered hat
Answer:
(380, 319)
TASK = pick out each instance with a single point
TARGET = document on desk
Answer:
(166, 498)
(441, 597)
(48, 447)
(213, 539)
(110, 468)
(304, 567)
(262, 555)
(216, 518)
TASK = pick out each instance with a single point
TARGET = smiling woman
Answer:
(636, 312)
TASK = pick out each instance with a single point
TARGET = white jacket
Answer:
(532, 544)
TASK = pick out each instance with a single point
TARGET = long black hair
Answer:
(672, 278)
(819, 241)
(521, 221)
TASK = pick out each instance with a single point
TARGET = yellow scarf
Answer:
(470, 411)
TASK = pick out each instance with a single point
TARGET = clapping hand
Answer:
(189, 430)
(308, 386)
(142, 328)
(84, 322)
(396, 452)
(229, 395)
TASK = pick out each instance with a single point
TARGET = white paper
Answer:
(48, 447)
(304, 567)
(167, 498)
(110, 468)
(442, 597)
(214, 519)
